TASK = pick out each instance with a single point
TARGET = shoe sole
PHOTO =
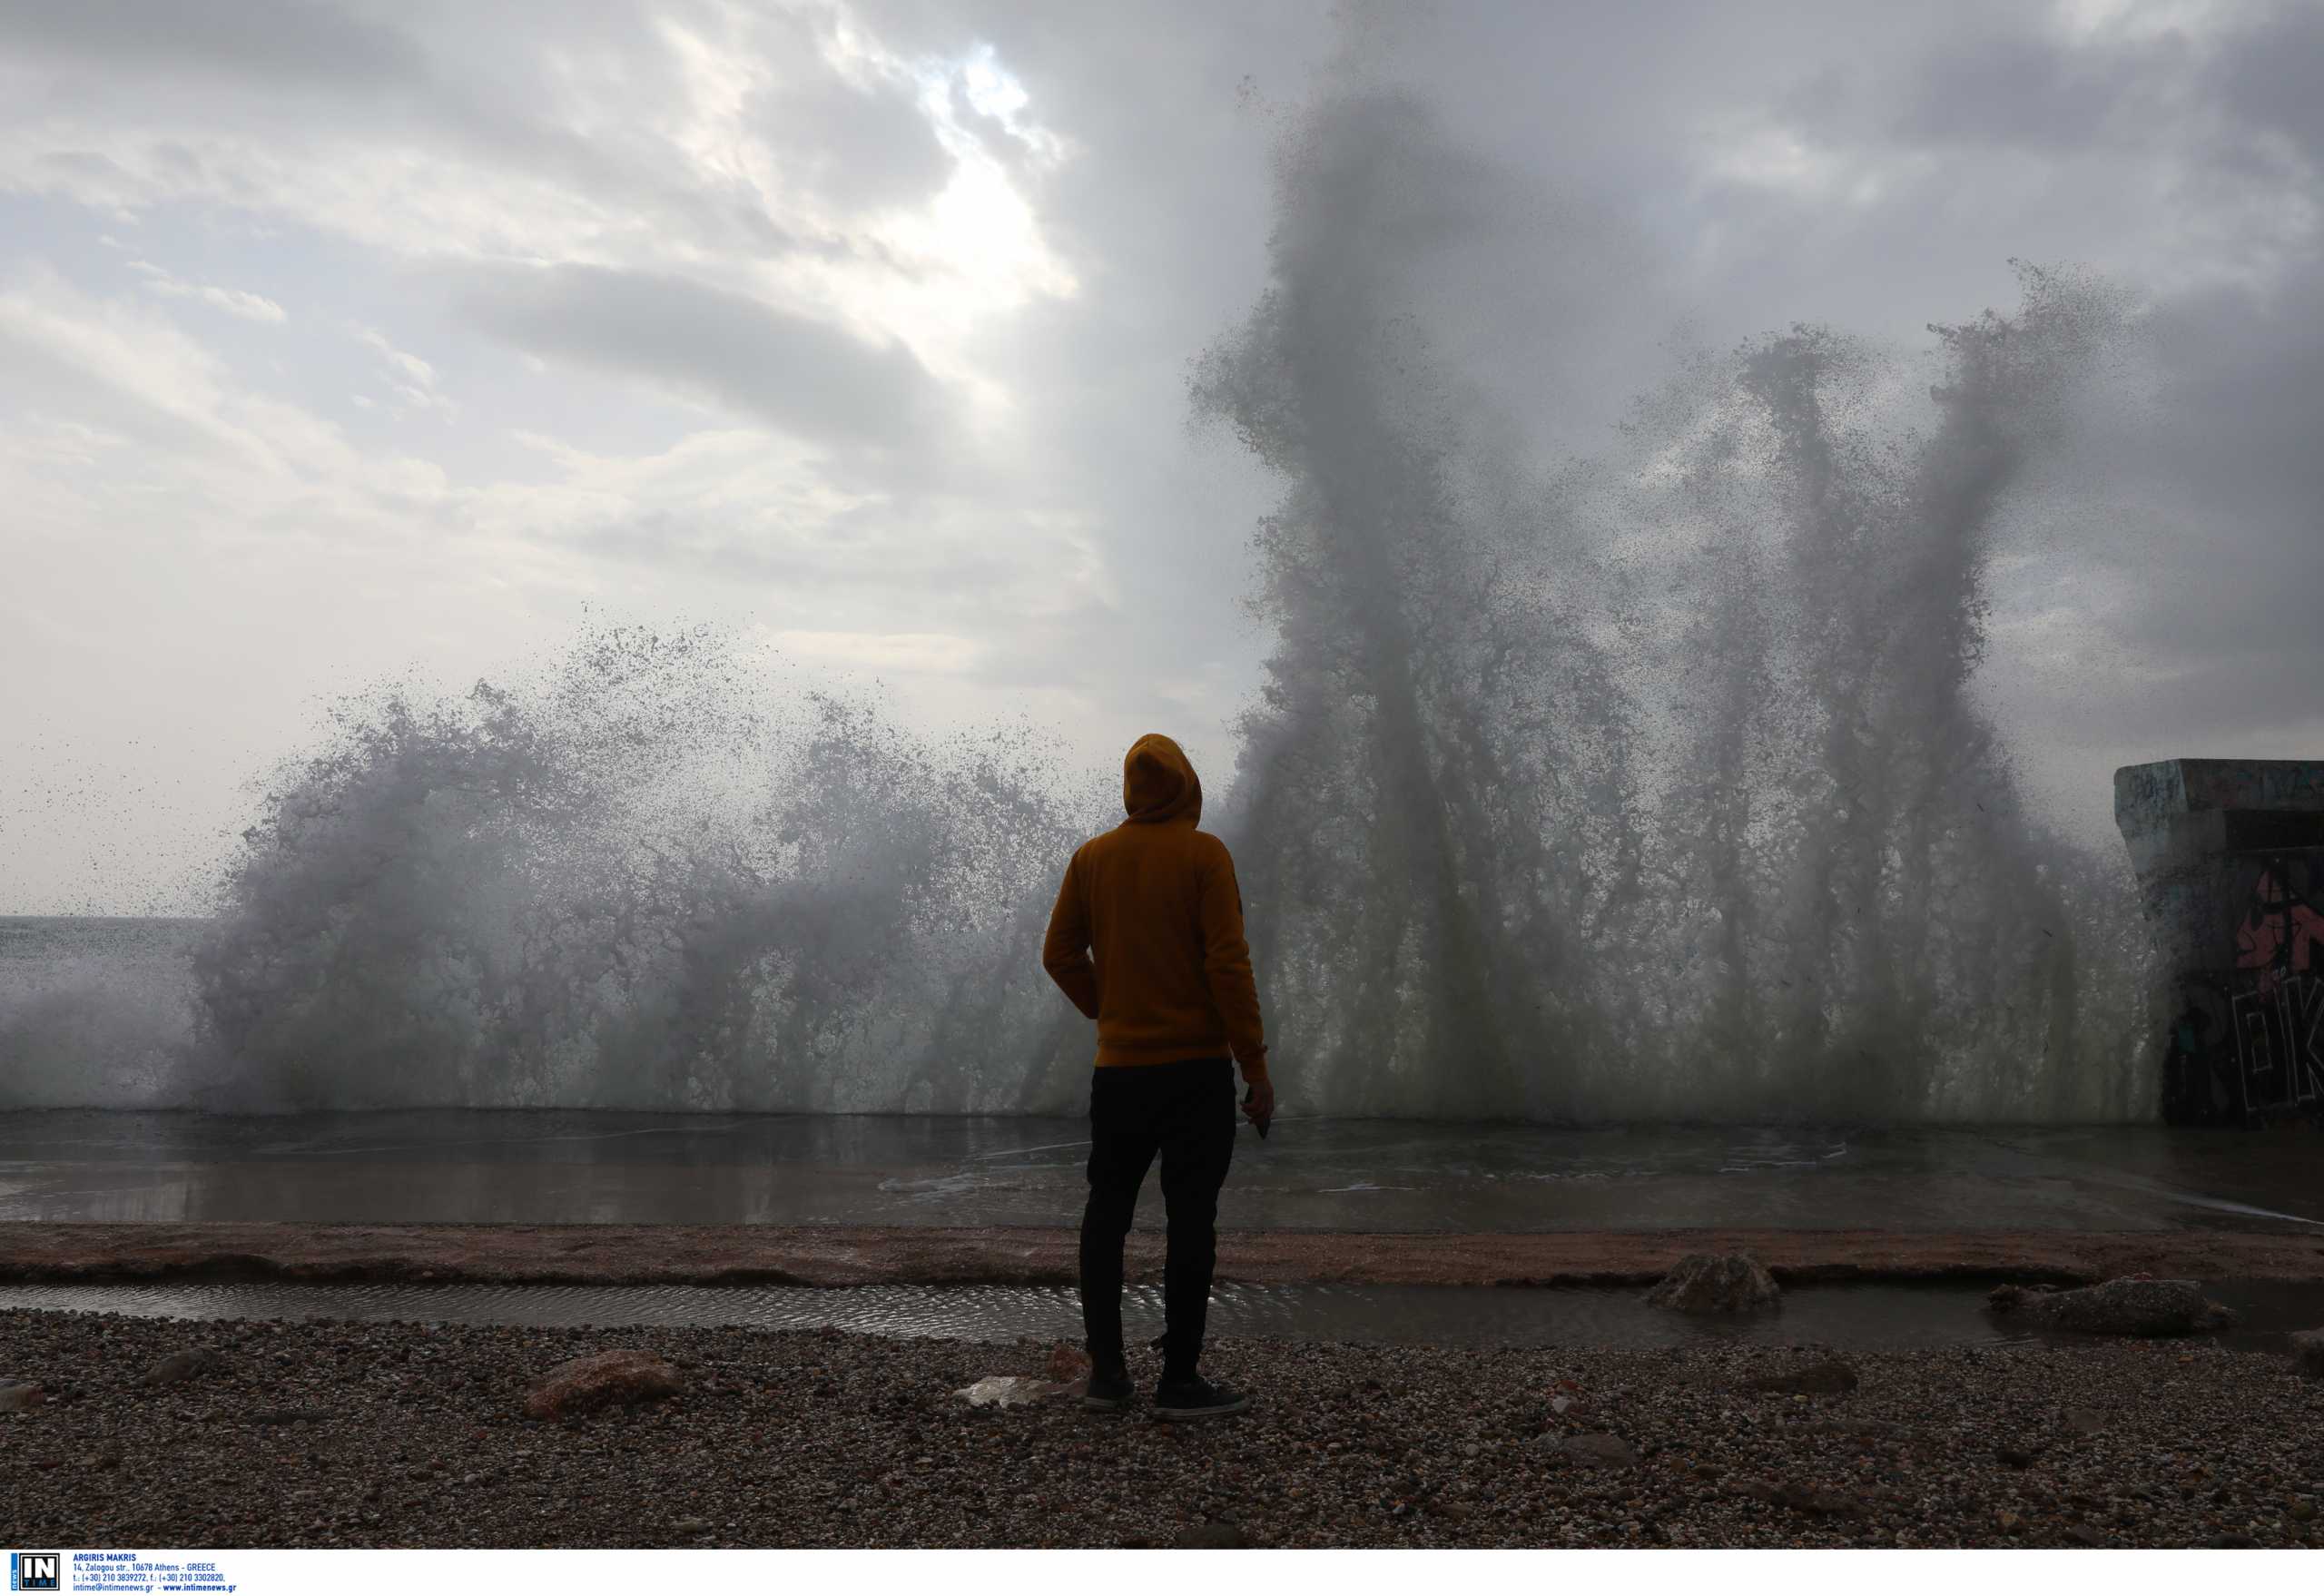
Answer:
(1173, 1414)
(1105, 1404)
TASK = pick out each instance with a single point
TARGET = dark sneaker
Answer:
(1196, 1398)
(1108, 1391)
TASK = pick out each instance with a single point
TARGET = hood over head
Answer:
(1159, 782)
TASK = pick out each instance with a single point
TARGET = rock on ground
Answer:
(180, 1366)
(1723, 1282)
(1013, 1391)
(1803, 1497)
(1824, 1377)
(622, 1376)
(1598, 1451)
(2307, 1353)
(2129, 1306)
(1212, 1537)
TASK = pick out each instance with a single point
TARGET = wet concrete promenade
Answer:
(559, 1168)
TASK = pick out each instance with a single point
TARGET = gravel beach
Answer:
(277, 1434)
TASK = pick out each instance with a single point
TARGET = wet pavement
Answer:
(571, 1167)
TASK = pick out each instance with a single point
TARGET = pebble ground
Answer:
(343, 1434)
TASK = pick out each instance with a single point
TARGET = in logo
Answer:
(34, 1571)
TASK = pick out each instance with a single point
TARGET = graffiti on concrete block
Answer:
(2279, 1045)
(2249, 1038)
(2229, 860)
(2275, 1012)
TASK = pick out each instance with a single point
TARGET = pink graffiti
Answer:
(2271, 921)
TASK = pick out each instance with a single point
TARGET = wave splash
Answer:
(642, 881)
(1655, 789)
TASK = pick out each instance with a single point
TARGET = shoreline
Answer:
(97, 1252)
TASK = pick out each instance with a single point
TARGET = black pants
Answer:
(1186, 1112)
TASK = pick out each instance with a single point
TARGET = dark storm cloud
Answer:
(2207, 99)
(806, 377)
(2271, 76)
(277, 40)
(2032, 91)
(2225, 468)
(2228, 476)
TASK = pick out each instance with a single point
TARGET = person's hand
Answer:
(1258, 1104)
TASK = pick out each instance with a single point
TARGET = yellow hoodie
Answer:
(1157, 901)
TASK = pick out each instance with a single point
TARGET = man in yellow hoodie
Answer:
(1177, 1009)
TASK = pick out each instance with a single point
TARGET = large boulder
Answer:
(2132, 1305)
(1721, 1283)
(600, 1379)
(2307, 1353)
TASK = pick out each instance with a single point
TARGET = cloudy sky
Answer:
(347, 339)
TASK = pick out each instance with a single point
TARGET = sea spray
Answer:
(1421, 850)
(95, 1012)
(646, 879)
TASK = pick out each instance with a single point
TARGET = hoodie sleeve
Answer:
(1065, 951)
(1226, 964)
